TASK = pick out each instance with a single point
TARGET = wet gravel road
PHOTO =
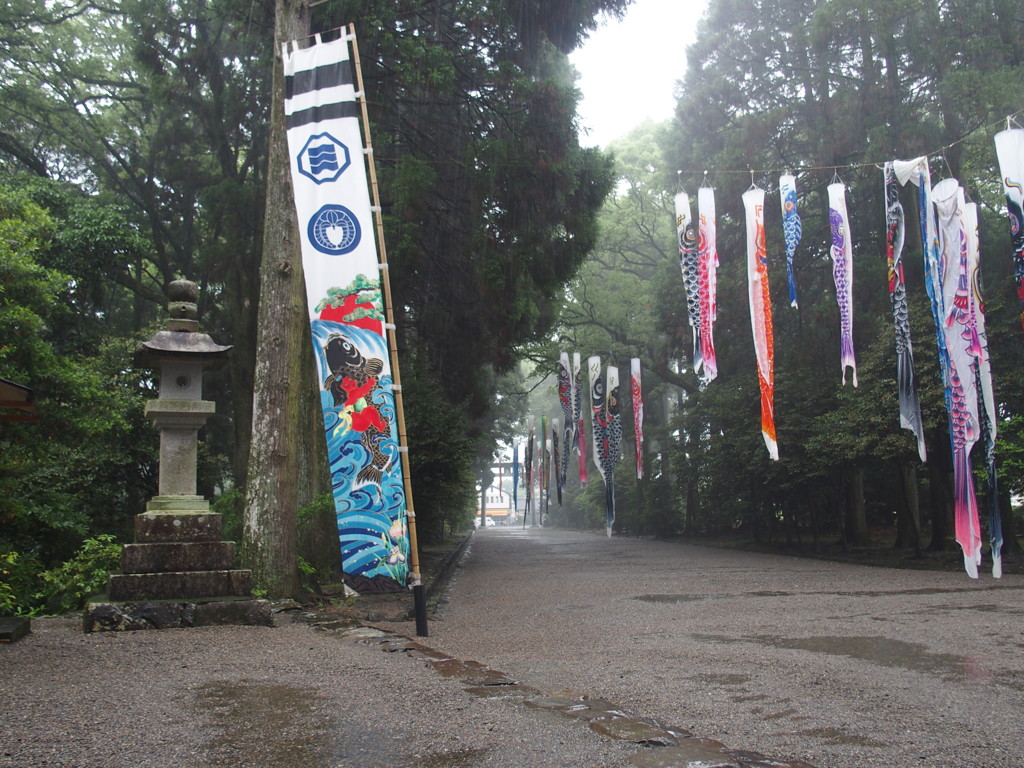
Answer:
(839, 666)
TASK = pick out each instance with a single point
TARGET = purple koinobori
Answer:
(987, 413)
(842, 272)
(707, 279)
(959, 320)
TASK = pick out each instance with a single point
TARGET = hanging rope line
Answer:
(941, 152)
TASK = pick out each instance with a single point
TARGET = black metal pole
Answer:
(419, 598)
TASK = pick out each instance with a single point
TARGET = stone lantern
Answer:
(181, 353)
(178, 572)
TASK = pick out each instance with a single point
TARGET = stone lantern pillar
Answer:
(178, 572)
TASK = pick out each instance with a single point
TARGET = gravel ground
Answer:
(840, 665)
(288, 697)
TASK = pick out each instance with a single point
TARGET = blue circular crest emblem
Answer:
(334, 230)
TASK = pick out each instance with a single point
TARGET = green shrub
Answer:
(18, 575)
(229, 506)
(68, 587)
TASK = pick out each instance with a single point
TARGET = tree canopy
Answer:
(140, 129)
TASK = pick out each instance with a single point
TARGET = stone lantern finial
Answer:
(182, 305)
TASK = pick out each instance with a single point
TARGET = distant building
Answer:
(497, 504)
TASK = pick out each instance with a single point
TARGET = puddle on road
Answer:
(894, 593)
(462, 758)
(921, 591)
(677, 599)
(880, 651)
(283, 725)
(244, 714)
(723, 679)
(837, 737)
(671, 599)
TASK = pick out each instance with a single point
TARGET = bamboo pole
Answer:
(415, 579)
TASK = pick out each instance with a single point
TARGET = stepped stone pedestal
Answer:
(178, 572)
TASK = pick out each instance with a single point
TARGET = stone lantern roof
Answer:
(182, 340)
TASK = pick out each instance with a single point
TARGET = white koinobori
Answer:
(345, 298)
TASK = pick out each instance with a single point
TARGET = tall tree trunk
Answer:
(856, 521)
(692, 504)
(940, 505)
(243, 304)
(318, 531)
(908, 517)
(1010, 544)
(269, 538)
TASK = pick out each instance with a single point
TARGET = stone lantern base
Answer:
(106, 616)
(178, 573)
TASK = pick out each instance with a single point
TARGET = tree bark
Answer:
(908, 516)
(941, 506)
(269, 536)
(692, 504)
(1010, 544)
(317, 533)
(856, 522)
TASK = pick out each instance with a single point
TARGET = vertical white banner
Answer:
(343, 290)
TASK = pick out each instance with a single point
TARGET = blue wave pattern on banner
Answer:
(323, 158)
(371, 517)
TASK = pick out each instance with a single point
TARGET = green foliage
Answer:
(442, 457)
(8, 600)
(491, 208)
(1010, 449)
(773, 95)
(68, 587)
(30, 292)
(323, 503)
(154, 114)
(18, 583)
(310, 578)
(229, 505)
(89, 462)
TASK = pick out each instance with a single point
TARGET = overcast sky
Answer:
(628, 69)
